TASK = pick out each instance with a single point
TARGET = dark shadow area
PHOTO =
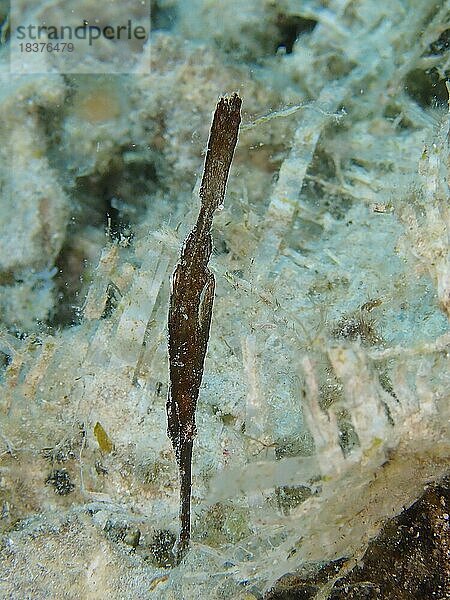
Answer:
(407, 561)
(290, 28)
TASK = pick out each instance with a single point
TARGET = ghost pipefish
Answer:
(191, 303)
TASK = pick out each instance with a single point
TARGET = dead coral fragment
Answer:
(191, 303)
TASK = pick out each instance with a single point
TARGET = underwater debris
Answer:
(191, 302)
(105, 444)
